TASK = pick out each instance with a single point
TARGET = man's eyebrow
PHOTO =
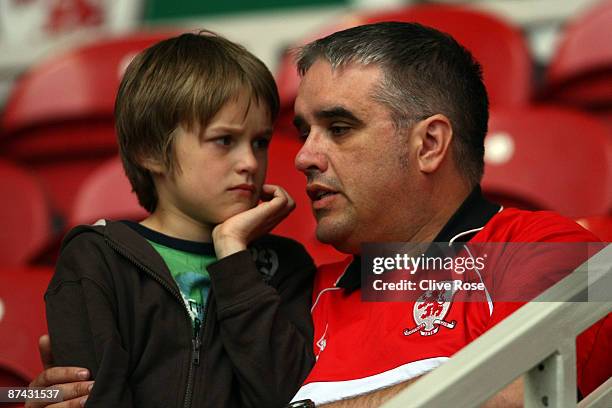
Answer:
(338, 112)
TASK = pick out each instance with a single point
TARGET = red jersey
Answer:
(364, 346)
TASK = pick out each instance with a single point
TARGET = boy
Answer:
(176, 310)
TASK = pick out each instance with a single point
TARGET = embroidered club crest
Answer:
(429, 311)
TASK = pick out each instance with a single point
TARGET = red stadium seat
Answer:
(300, 225)
(79, 84)
(549, 158)
(496, 44)
(106, 193)
(600, 225)
(59, 117)
(25, 220)
(288, 80)
(22, 322)
(580, 73)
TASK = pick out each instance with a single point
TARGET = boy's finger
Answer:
(281, 192)
(279, 197)
(272, 207)
(279, 203)
(284, 208)
(269, 191)
(290, 203)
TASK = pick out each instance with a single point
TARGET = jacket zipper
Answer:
(196, 344)
(195, 341)
(195, 361)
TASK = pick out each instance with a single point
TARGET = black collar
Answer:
(469, 218)
(194, 247)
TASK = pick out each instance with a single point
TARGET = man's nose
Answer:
(311, 156)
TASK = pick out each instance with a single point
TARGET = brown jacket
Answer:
(113, 307)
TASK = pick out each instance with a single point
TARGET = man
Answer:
(393, 118)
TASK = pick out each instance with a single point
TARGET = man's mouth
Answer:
(318, 192)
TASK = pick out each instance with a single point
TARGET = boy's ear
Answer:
(433, 136)
(155, 166)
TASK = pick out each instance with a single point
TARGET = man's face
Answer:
(357, 165)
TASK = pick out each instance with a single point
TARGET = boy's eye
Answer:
(224, 140)
(261, 143)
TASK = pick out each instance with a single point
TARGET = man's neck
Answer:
(440, 215)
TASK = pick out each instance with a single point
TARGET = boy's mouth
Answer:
(244, 187)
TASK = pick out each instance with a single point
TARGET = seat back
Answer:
(80, 84)
(600, 225)
(496, 44)
(58, 120)
(22, 322)
(106, 193)
(580, 71)
(25, 222)
(549, 158)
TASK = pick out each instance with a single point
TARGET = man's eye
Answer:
(224, 140)
(261, 143)
(338, 130)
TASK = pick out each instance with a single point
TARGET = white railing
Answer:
(538, 340)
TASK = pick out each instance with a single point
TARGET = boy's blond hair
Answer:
(182, 81)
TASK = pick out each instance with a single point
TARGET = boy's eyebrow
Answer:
(268, 132)
(237, 128)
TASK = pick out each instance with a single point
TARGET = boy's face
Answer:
(219, 172)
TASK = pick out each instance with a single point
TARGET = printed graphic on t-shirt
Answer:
(189, 272)
(194, 289)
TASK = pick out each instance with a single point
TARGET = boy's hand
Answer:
(235, 233)
(70, 380)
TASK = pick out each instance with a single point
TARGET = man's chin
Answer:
(334, 235)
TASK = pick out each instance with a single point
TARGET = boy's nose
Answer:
(248, 162)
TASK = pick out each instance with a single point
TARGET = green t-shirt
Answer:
(187, 262)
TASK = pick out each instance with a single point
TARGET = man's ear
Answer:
(434, 136)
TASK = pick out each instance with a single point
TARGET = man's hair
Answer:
(182, 81)
(425, 72)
